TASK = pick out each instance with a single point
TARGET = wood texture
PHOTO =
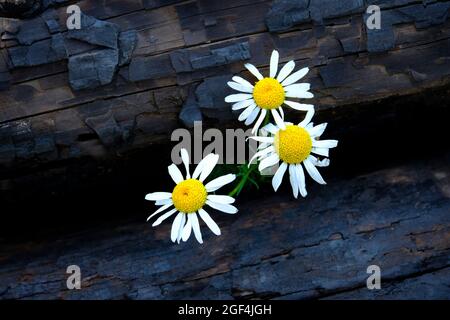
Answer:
(276, 247)
(178, 43)
(92, 153)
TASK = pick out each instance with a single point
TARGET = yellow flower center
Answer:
(268, 93)
(293, 145)
(189, 195)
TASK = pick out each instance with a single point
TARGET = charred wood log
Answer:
(276, 247)
(19, 8)
(185, 53)
(77, 139)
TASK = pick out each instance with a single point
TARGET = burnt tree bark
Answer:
(19, 8)
(160, 65)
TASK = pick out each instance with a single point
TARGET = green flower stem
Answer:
(241, 183)
(246, 176)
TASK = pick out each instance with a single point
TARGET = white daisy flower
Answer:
(189, 196)
(270, 93)
(294, 147)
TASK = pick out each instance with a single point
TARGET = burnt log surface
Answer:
(81, 143)
(276, 247)
(65, 99)
(19, 8)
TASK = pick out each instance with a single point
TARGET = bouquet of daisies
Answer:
(295, 148)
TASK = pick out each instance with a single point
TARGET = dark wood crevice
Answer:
(19, 8)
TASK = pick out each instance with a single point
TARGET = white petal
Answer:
(313, 172)
(251, 118)
(209, 166)
(201, 165)
(242, 104)
(239, 87)
(242, 81)
(280, 109)
(278, 120)
(195, 227)
(237, 97)
(260, 120)
(321, 151)
(221, 199)
(295, 77)
(325, 143)
(227, 208)
(278, 177)
(309, 126)
(274, 63)
(219, 182)
(158, 196)
(299, 94)
(254, 71)
(286, 70)
(305, 122)
(293, 179)
(318, 130)
(167, 206)
(263, 145)
(299, 106)
(175, 173)
(244, 114)
(298, 87)
(268, 162)
(263, 139)
(261, 153)
(163, 202)
(187, 228)
(176, 227)
(185, 158)
(270, 128)
(209, 222)
(163, 217)
(180, 231)
(301, 180)
(296, 91)
(319, 163)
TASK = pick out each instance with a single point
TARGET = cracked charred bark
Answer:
(185, 53)
(19, 8)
